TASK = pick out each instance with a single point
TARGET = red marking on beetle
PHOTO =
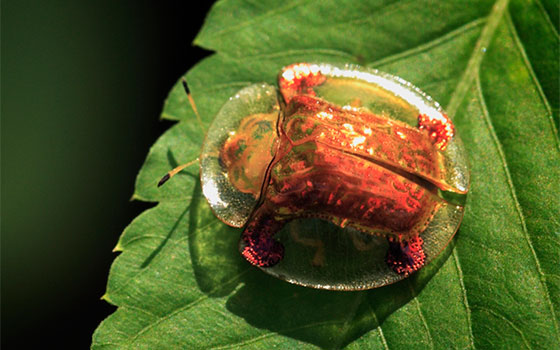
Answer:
(300, 78)
(417, 194)
(260, 248)
(407, 256)
(400, 186)
(439, 128)
(412, 204)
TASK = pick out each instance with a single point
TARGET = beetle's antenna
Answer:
(191, 101)
(173, 172)
(184, 82)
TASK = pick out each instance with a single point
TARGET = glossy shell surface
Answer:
(345, 179)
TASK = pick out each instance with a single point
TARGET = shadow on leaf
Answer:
(158, 249)
(213, 248)
(328, 319)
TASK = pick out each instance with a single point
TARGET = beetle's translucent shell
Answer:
(339, 181)
(236, 152)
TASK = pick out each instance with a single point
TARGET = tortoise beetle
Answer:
(338, 179)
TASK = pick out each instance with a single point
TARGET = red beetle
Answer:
(340, 181)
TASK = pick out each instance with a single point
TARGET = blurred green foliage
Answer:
(82, 87)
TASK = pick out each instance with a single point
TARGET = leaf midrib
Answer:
(465, 298)
(472, 73)
(475, 60)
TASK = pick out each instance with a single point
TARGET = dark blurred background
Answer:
(82, 84)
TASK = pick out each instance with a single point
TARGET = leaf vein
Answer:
(270, 334)
(379, 329)
(180, 309)
(351, 316)
(296, 52)
(139, 309)
(420, 313)
(547, 18)
(224, 86)
(259, 18)
(516, 203)
(166, 317)
(141, 237)
(430, 44)
(381, 10)
(147, 268)
(465, 298)
(534, 77)
(502, 317)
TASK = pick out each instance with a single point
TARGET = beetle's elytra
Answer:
(338, 180)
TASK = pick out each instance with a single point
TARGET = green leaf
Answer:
(179, 282)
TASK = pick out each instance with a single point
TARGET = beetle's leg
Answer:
(407, 256)
(258, 245)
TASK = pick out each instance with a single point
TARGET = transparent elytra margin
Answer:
(350, 260)
(320, 254)
(229, 204)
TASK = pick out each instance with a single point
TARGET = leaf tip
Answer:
(105, 297)
(118, 248)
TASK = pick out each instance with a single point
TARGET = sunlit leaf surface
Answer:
(179, 282)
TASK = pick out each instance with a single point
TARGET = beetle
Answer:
(363, 152)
